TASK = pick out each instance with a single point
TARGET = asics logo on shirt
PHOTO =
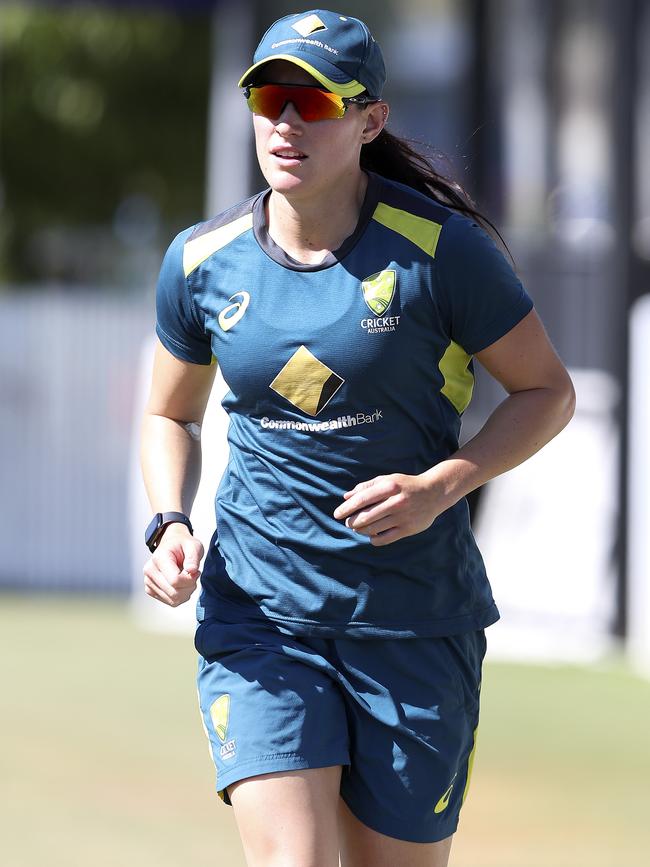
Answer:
(231, 314)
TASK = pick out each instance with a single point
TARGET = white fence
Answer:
(68, 362)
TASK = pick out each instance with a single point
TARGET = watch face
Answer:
(150, 532)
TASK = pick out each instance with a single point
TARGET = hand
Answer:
(171, 573)
(388, 508)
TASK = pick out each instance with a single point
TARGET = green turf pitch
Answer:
(104, 762)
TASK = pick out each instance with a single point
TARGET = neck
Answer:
(310, 228)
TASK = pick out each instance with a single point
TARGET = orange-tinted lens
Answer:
(311, 103)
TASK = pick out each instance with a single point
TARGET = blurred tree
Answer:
(102, 137)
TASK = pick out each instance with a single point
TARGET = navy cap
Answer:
(337, 50)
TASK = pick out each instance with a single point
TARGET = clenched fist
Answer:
(171, 573)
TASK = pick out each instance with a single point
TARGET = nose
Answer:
(289, 119)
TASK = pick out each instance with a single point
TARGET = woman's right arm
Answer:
(171, 466)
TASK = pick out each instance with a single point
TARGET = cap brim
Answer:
(351, 88)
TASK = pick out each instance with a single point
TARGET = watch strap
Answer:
(159, 523)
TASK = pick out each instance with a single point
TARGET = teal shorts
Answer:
(400, 716)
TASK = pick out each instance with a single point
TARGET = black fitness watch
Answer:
(159, 522)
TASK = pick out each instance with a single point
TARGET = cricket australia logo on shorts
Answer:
(378, 292)
(219, 714)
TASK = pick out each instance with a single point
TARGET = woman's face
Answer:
(303, 160)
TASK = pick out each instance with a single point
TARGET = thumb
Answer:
(191, 558)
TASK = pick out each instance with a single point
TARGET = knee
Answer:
(283, 852)
(295, 860)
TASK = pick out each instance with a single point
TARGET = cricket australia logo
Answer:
(378, 291)
(219, 714)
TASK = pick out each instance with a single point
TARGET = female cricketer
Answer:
(344, 601)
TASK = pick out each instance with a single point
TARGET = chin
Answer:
(286, 182)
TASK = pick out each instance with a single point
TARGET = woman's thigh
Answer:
(360, 846)
(289, 819)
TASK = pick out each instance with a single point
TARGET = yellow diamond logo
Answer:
(310, 24)
(219, 713)
(306, 382)
(378, 291)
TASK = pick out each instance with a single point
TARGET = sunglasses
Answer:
(312, 103)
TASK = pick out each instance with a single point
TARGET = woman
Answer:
(344, 600)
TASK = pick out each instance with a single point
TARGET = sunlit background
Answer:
(120, 124)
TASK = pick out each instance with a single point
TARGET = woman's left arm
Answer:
(540, 403)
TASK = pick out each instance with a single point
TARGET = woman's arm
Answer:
(171, 466)
(540, 402)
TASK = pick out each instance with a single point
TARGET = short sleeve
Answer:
(178, 324)
(480, 293)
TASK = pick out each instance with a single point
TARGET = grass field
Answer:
(104, 761)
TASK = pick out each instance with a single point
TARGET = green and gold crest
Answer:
(378, 291)
(219, 712)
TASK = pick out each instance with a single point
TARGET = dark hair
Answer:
(395, 158)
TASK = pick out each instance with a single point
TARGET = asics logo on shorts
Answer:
(443, 803)
(231, 314)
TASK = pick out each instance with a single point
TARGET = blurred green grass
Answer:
(104, 760)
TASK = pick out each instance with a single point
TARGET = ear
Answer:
(375, 121)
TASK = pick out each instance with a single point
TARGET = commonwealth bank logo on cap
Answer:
(310, 24)
(337, 50)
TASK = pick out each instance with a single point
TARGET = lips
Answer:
(286, 153)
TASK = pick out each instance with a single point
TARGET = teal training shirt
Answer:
(339, 372)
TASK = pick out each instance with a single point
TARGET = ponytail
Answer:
(395, 158)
